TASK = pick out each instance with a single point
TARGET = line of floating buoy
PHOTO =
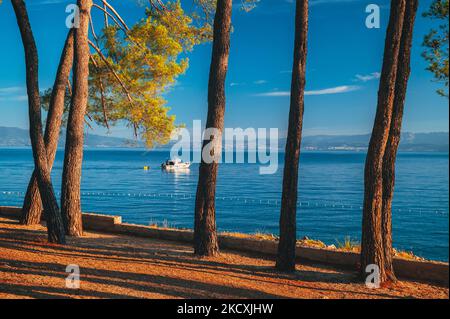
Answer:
(241, 200)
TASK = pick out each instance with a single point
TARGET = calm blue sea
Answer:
(331, 194)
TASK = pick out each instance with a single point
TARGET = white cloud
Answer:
(44, 2)
(334, 90)
(319, 2)
(13, 93)
(275, 94)
(260, 82)
(21, 98)
(328, 91)
(11, 90)
(367, 77)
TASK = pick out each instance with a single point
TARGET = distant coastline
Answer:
(12, 137)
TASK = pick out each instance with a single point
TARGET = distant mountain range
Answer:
(410, 142)
(17, 137)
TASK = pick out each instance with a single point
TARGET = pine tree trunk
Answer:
(205, 233)
(288, 218)
(51, 209)
(32, 205)
(73, 156)
(372, 252)
(403, 72)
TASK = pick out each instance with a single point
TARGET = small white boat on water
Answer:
(175, 164)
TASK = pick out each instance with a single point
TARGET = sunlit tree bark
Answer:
(51, 209)
(32, 205)
(73, 156)
(205, 233)
(403, 72)
(288, 216)
(372, 252)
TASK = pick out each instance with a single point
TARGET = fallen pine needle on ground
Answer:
(115, 266)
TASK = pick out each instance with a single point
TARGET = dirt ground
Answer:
(126, 267)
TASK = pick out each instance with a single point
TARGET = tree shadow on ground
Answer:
(150, 252)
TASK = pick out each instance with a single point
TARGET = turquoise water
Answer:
(331, 194)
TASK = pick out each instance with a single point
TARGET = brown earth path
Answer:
(115, 266)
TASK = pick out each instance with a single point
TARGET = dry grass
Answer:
(115, 266)
(349, 245)
(257, 235)
(407, 255)
(307, 242)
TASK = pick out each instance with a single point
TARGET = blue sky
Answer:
(344, 58)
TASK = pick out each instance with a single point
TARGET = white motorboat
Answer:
(175, 164)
